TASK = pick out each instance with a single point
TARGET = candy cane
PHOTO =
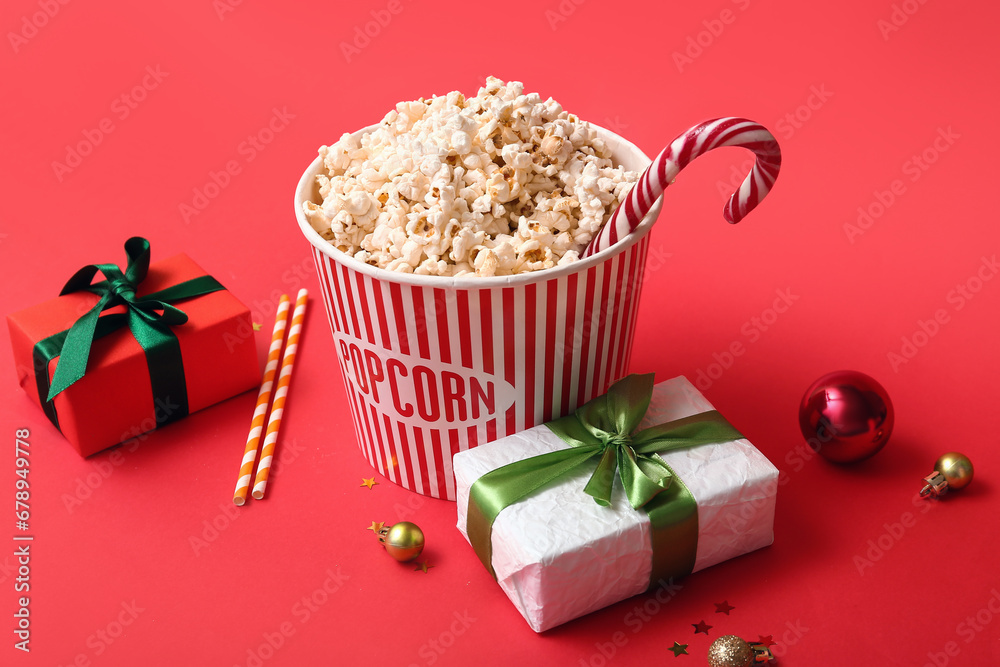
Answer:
(697, 141)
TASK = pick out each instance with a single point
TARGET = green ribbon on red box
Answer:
(604, 429)
(149, 318)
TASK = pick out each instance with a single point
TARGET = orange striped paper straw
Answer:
(284, 378)
(263, 398)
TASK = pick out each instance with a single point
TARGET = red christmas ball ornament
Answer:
(846, 416)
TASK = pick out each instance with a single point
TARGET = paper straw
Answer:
(697, 141)
(263, 398)
(284, 378)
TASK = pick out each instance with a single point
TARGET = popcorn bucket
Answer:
(436, 365)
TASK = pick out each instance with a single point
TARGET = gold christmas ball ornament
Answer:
(956, 468)
(952, 472)
(731, 651)
(403, 541)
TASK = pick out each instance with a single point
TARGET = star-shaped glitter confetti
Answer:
(723, 607)
(701, 626)
(376, 526)
(422, 567)
(679, 649)
(766, 640)
(369, 482)
(256, 326)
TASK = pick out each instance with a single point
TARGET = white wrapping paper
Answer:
(559, 555)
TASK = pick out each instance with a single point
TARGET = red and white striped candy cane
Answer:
(697, 141)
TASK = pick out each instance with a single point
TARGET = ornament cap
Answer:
(935, 486)
(761, 653)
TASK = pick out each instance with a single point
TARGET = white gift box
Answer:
(558, 555)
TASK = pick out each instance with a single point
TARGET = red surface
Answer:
(112, 401)
(855, 107)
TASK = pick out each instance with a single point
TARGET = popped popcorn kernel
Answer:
(493, 185)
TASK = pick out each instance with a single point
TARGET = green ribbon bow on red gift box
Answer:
(604, 429)
(148, 317)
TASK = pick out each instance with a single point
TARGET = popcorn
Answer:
(495, 185)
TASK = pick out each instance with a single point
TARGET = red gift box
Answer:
(114, 400)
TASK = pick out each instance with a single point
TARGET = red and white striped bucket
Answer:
(433, 366)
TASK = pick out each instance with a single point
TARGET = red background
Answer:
(134, 527)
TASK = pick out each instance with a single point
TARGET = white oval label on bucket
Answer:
(423, 392)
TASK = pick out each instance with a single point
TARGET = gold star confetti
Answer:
(422, 567)
(701, 626)
(256, 326)
(369, 482)
(375, 527)
(723, 607)
(679, 649)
